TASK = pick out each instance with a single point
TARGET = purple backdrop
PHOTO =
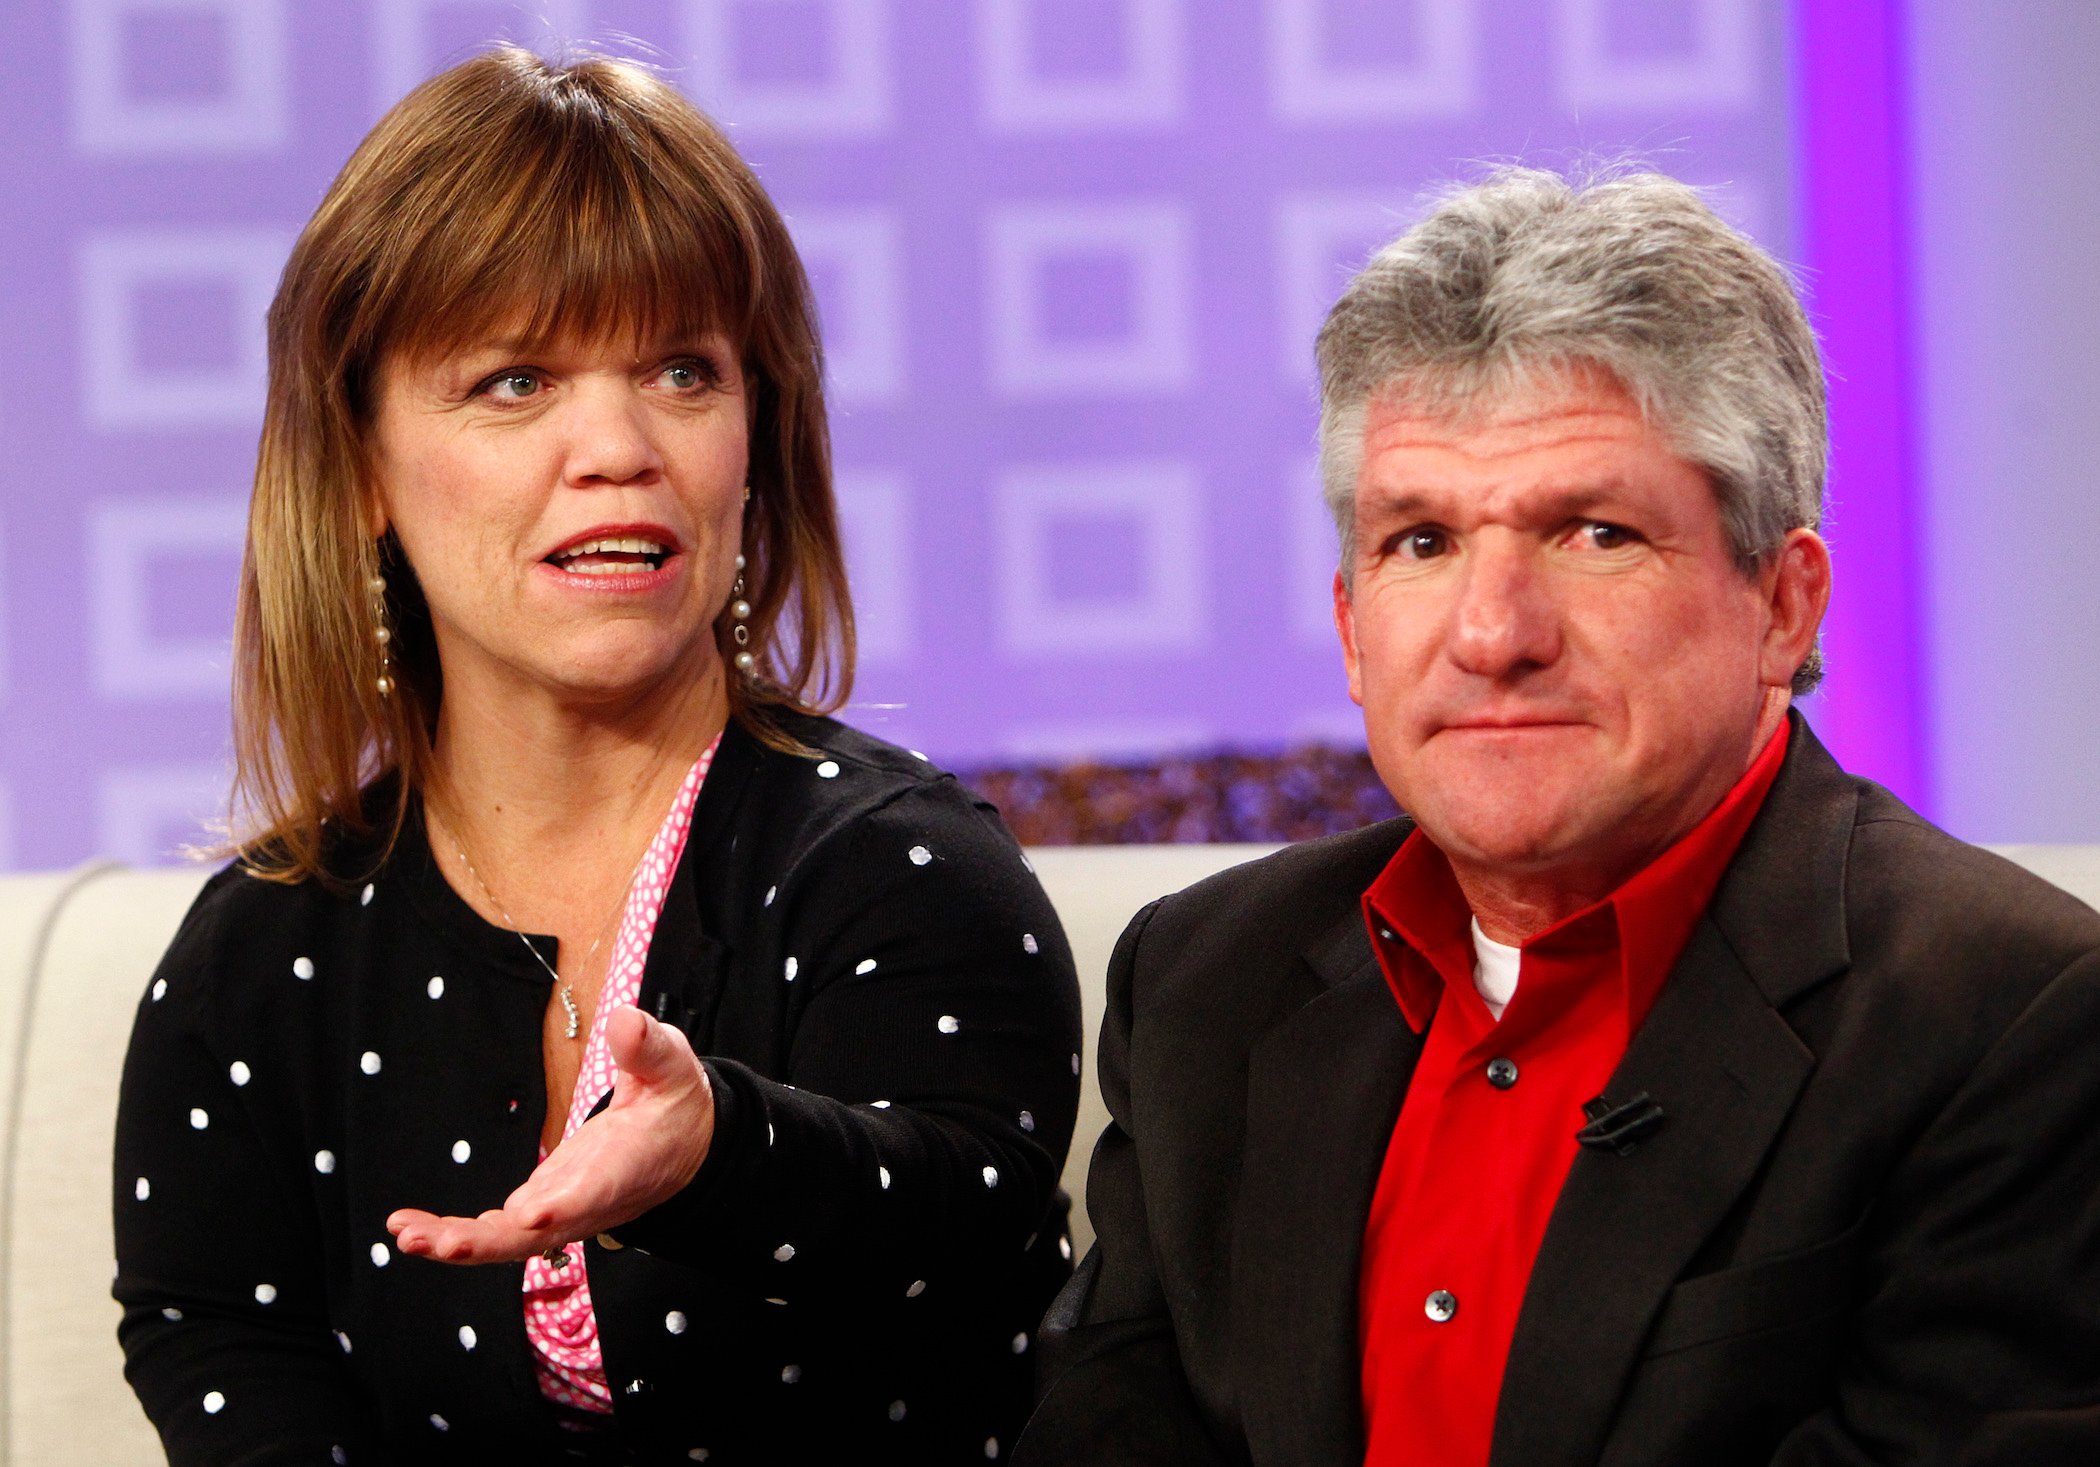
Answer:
(1070, 253)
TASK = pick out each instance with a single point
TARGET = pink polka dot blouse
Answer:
(559, 1323)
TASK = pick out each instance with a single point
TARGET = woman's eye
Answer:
(689, 376)
(512, 386)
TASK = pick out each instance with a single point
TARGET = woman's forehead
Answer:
(515, 331)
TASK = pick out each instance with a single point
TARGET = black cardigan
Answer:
(856, 1273)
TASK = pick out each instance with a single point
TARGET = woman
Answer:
(543, 596)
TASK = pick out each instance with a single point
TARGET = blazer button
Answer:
(1502, 1073)
(1440, 1306)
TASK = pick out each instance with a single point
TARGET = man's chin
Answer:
(1517, 826)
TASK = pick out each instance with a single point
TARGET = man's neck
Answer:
(1513, 906)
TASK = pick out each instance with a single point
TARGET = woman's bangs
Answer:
(586, 255)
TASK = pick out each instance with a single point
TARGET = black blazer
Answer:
(857, 1271)
(1868, 1230)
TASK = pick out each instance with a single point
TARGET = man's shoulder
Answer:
(1913, 890)
(1241, 934)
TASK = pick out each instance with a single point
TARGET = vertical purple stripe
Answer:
(1851, 143)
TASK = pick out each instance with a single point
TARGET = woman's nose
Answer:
(610, 437)
(1507, 620)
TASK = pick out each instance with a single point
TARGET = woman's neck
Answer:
(544, 792)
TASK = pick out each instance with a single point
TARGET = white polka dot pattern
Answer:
(198, 1119)
(864, 967)
(560, 1324)
(324, 1162)
(266, 1293)
(467, 1338)
(238, 1072)
(920, 855)
(829, 769)
(142, 1189)
(1029, 945)
(381, 1255)
(214, 1403)
(368, 1062)
(160, 989)
(435, 988)
(365, 897)
(947, 1024)
(461, 1151)
(302, 968)
(171, 1314)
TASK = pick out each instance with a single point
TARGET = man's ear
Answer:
(1796, 583)
(1345, 627)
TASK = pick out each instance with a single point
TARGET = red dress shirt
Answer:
(1487, 1132)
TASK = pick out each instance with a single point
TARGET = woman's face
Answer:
(573, 514)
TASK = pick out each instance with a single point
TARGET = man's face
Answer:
(1560, 665)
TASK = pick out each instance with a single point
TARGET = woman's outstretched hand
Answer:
(641, 1150)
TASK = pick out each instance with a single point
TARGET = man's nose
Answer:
(611, 438)
(1507, 621)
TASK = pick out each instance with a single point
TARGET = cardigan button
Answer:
(1502, 1073)
(1440, 1306)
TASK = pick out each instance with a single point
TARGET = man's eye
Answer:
(1602, 536)
(1423, 544)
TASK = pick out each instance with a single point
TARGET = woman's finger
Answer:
(647, 1051)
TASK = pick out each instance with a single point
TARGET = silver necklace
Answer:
(561, 985)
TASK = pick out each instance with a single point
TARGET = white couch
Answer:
(75, 952)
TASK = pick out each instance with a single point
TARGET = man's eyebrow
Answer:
(1572, 502)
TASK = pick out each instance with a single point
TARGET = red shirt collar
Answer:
(1421, 926)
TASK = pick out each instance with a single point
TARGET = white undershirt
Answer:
(1494, 970)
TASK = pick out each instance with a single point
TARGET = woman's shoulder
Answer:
(846, 783)
(249, 923)
(841, 768)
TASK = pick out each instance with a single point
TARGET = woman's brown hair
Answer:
(582, 201)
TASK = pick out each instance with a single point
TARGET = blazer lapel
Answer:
(1323, 1090)
(1726, 1068)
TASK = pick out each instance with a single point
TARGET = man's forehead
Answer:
(1572, 411)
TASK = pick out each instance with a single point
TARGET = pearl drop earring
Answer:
(739, 613)
(382, 635)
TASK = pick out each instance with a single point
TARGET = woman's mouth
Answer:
(611, 556)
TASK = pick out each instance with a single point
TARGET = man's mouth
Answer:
(610, 556)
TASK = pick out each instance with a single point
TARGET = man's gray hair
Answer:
(1528, 275)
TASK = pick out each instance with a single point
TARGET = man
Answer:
(1658, 1093)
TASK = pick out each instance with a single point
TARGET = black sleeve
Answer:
(921, 1122)
(1112, 1389)
(1979, 1344)
(224, 1332)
